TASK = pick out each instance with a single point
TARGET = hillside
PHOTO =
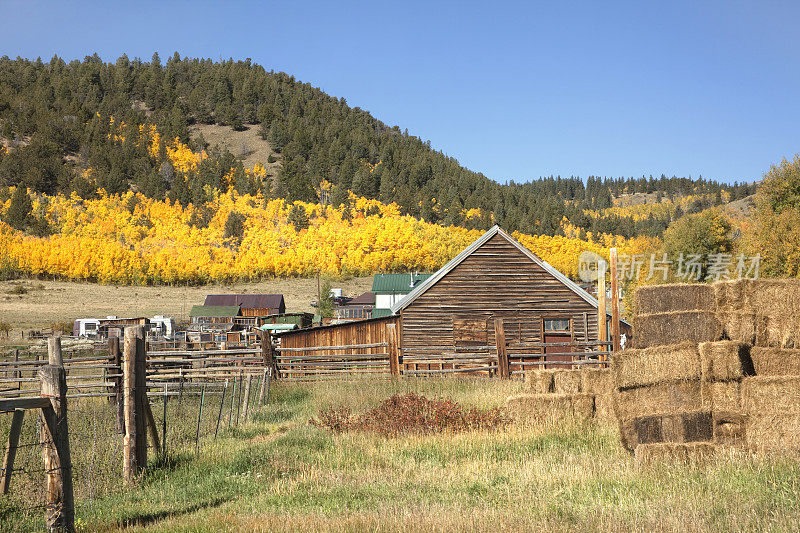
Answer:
(64, 128)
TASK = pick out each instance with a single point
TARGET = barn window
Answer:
(556, 325)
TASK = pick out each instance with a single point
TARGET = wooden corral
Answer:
(363, 347)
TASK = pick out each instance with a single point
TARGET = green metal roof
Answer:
(216, 311)
(396, 283)
(378, 312)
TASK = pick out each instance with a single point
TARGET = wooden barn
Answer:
(451, 316)
(250, 304)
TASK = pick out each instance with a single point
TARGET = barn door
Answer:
(558, 330)
(470, 337)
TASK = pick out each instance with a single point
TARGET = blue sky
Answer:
(515, 90)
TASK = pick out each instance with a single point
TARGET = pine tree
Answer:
(19, 211)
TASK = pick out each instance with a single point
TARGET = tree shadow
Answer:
(146, 519)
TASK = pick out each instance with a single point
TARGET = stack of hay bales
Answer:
(554, 394)
(714, 365)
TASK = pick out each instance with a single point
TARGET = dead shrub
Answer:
(411, 413)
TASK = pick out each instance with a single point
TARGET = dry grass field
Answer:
(279, 473)
(45, 302)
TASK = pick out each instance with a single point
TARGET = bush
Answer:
(411, 413)
(18, 289)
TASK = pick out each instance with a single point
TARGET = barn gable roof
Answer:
(466, 252)
(246, 301)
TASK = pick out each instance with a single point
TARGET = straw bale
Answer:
(674, 297)
(774, 298)
(679, 326)
(725, 360)
(695, 426)
(597, 380)
(738, 326)
(604, 406)
(670, 452)
(679, 427)
(729, 296)
(660, 399)
(729, 428)
(540, 407)
(777, 331)
(775, 361)
(658, 364)
(771, 395)
(539, 381)
(773, 432)
(567, 381)
(627, 434)
(726, 396)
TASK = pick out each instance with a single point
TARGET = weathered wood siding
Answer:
(359, 332)
(495, 281)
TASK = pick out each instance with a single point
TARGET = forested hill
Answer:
(61, 125)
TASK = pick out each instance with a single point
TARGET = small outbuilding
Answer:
(250, 304)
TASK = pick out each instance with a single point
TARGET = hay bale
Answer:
(543, 407)
(777, 331)
(679, 326)
(774, 298)
(738, 326)
(773, 433)
(679, 427)
(729, 296)
(674, 297)
(604, 407)
(775, 361)
(599, 381)
(726, 396)
(729, 428)
(539, 381)
(661, 399)
(687, 427)
(771, 395)
(567, 381)
(725, 360)
(669, 452)
(658, 364)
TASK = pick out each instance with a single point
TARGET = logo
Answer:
(590, 265)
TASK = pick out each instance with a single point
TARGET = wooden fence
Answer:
(326, 354)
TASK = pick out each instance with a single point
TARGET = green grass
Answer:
(278, 473)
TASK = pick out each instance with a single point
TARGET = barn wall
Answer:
(358, 332)
(495, 281)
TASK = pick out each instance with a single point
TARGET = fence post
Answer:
(115, 359)
(394, 356)
(11, 449)
(54, 351)
(268, 353)
(602, 328)
(247, 396)
(502, 353)
(17, 374)
(614, 300)
(60, 513)
(134, 396)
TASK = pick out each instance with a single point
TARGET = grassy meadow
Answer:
(277, 472)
